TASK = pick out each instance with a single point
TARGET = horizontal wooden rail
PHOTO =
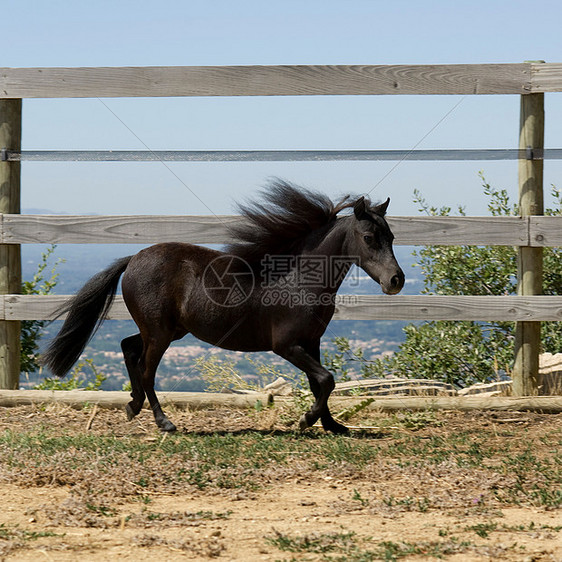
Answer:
(430, 155)
(287, 80)
(148, 229)
(349, 307)
(545, 231)
(117, 229)
(546, 77)
(441, 307)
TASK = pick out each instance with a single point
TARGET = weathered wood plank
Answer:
(545, 404)
(455, 231)
(438, 307)
(139, 229)
(58, 229)
(292, 80)
(546, 77)
(354, 307)
(118, 399)
(545, 231)
(40, 307)
(432, 155)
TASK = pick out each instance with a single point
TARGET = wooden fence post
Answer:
(530, 260)
(10, 255)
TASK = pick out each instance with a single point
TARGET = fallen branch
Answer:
(541, 404)
(544, 404)
(117, 399)
(202, 400)
(90, 421)
(395, 386)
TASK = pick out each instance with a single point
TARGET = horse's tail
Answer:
(86, 311)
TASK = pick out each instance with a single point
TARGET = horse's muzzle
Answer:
(395, 284)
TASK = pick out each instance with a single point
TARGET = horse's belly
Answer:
(237, 334)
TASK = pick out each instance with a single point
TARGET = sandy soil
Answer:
(293, 509)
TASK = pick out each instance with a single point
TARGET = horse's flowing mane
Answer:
(279, 224)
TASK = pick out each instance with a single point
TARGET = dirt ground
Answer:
(388, 510)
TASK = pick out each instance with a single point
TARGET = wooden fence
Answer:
(530, 232)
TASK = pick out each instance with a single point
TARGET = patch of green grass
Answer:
(536, 481)
(101, 510)
(203, 515)
(209, 515)
(347, 547)
(408, 503)
(314, 542)
(416, 420)
(531, 527)
(49, 441)
(15, 533)
(356, 496)
(142, 482)
(483, 530)
(391, 551)
(412, 450)
(338, 450)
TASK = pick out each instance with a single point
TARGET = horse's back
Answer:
(159, 280)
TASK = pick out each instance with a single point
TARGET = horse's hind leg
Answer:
(132, 352)
(153, 352)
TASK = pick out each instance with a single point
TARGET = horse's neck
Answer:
(334, 240)
(331, 249)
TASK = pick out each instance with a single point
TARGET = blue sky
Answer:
(123, 33)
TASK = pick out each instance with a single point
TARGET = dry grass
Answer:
(469, 466)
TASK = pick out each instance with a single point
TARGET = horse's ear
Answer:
(359, 208)
(381, 209)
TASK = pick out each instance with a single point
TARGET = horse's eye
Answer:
(368, 238)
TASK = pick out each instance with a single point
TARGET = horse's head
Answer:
(371, 245)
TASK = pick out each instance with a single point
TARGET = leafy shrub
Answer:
(78, 379)
(40, 284)
(463, 353)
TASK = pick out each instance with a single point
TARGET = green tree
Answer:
(42, 283)
(463, 353)
(85, 376)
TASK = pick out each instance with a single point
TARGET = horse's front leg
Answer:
(321, 383)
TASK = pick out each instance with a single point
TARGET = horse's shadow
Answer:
(309, 435)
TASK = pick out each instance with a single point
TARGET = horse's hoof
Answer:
(167, 426)
(130, 413)
(336, 427)
(303, 424)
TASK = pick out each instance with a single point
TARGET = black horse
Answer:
(272, 289)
